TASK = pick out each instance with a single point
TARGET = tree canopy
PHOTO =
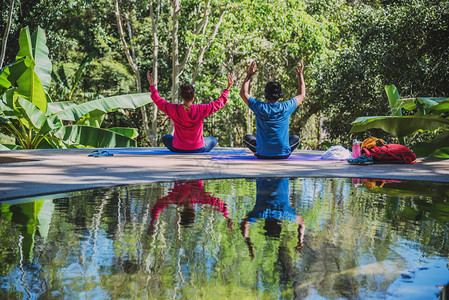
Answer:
(351, 50)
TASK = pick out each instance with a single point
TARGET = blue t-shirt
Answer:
(272, 200)
(272, 121)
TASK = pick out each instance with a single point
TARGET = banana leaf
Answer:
(55, 107)
(393, 97)
(33, 114)
(43, 64)
(429, 102)
(8, 101)
(93, 137)
(400, 126)
(437, 147)
(9, 147)
(4, 109)
(424, 104)
(105, 105)
(93, 118)
(442, 152)
(29, 84)
(407, 103)
(441, 107)
(79, 73)
(10, 73)
(132, 133)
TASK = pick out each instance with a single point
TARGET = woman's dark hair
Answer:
(187, 91)
(273, 91)
(187, 217)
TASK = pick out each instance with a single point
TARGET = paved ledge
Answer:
(37, 172)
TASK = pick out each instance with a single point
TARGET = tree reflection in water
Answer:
(364, 239)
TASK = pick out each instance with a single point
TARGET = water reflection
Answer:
(175, 240)
(187, 194)
(272, 206)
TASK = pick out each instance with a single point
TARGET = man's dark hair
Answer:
(272, 228)
(187, 92)
(273, 91)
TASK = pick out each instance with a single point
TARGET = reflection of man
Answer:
(187, 194)
(272, 205)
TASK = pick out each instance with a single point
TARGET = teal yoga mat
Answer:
(159, 151)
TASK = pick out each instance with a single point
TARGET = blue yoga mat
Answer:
(311, 157)
(149, 151)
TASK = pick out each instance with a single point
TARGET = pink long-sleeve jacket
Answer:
(188, 123)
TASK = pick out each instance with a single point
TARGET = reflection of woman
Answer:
(188, 194)
(272, 205)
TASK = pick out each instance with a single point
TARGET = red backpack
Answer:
(390, 153)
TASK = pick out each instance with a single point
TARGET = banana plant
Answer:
(27, 113)
(67, 86)
(431, 113)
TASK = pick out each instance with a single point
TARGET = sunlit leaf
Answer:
(399, 126)
(33, 114)
(79, 73)
(437, 147)
(105, 105)
(10, 73)
(55, 107)
(132, 133)
(93, 137)
(441, 107)
(43, 64)
(393, 97)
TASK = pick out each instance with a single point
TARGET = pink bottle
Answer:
(356, 148)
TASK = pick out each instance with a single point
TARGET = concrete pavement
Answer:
(37, 172)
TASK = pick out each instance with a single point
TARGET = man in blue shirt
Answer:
(272, 140)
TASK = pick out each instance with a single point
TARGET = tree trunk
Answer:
(135, 69)
(6, 34)
(209, 42)
(175, 50)
(154, 22)
(179, 67)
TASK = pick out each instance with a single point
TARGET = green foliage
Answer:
(26, 114)
(351, 51)
(353, 230)
(431, 114)
(406, 48)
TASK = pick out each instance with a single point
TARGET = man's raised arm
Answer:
(244, 91)
(301, 84)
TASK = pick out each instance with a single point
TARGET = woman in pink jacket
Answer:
(188, 118)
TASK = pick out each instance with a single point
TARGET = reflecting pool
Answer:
(264, 238)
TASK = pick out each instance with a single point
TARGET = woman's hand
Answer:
(150, 77)
(230, 81)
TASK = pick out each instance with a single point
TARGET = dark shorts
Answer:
(250, 141)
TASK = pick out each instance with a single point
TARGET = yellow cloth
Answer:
(372, 142)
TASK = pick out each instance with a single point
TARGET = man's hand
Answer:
(244, 91)
(150, 77)
(300, 70)
(230, 80)
(252, 69)
(301, 84)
